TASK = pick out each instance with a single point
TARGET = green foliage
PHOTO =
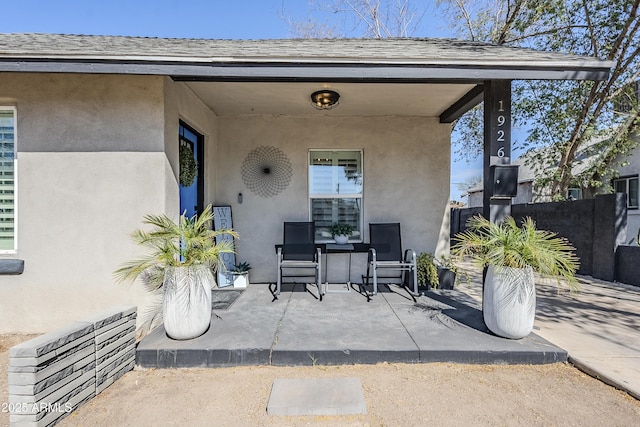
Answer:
(427, 270)
(187, 242)
(188, 165)
(563, 116)
(242, 267)
(507, 245)
(341, 228)
(450, 264)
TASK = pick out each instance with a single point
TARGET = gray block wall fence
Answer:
(595, 227)
(51, 375)
(628, 265)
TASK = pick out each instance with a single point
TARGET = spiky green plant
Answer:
(187, 242)
(242, 267)
(507, 245)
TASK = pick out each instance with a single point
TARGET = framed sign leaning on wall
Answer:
(227, 261)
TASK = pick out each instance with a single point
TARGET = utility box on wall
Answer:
(504, 179)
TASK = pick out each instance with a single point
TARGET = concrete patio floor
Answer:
(297, 329)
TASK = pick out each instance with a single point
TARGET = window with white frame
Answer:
(628, 185)
(7, 178)
(335, 191)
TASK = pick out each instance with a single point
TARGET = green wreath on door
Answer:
(188, 165)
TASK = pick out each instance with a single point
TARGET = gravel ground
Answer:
(396, 395)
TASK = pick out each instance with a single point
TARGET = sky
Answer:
(214, 19)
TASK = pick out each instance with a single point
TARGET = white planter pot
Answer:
(341, 239)
(509, 301)
(240, 280)
(186, 307)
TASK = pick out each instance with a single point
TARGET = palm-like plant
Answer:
(184, 243)
(188, 242)
(507, 245)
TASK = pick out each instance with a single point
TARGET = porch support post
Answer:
(497, 144)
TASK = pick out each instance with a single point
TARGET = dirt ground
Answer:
(439, 394)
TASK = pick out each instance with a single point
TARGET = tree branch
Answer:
(592, 36)
(543, 33)
(510, 19)
(632, 16)
(467, 18)
(598, 97)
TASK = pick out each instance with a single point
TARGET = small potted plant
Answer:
(341, 232)
(439, 273)
(240, 275)
(449, 274)
(512, 254)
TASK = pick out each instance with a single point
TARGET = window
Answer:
(628, 185)
(335, 191)
(574, 193)
(7, 178)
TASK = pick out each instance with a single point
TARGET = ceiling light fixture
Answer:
(325, 99)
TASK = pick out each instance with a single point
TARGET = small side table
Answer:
(334, 248)
(349, 248)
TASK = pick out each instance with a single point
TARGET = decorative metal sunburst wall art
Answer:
(266, 171)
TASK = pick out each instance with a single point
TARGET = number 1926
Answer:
(501, 120)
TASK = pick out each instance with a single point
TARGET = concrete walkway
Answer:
(599, 327)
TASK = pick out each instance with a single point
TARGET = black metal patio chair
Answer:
(299, 252)
(386, 254)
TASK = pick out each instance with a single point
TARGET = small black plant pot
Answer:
(423, 289)
(446, 278)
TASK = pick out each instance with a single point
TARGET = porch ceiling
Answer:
(356, 99)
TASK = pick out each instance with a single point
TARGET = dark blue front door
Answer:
(191, 170)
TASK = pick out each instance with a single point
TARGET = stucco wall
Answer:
(406, 179)
(91, 163)
(182, 104)
(96, 153)
(58, 112)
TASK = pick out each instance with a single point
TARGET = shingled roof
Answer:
(40, 52)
